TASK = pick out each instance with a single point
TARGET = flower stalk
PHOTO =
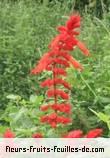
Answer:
(56, 60)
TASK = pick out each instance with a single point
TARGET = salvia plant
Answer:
(56, 60)
(57, 110)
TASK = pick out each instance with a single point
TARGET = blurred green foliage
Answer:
(25, 31)
(20, 115)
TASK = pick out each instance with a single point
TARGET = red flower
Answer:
(53, 124)
(52, 116)
(44, 108)
(42, 64)
(59, 61)
(8, 134)
(79, 134)
(54, 43)
(69, 58)
(57, 92)
(59, 71)
(63, 41)
(56, 71)
(53, 119)
(56, 81)
(83, 48)
(76, 64)
(47, 82)
(62, 82)
(66, 108)
(62, 29)
(73, 22)
(50, 119)
(94, 133)
(63, 120)
(44, 118)
(37, 135)
(74, 134)
(67, 42)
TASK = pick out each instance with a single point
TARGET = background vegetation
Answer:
(26, 28)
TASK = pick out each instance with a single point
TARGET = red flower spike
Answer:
(8, 134)
(37, 135)
(56, 60)
(94, 133)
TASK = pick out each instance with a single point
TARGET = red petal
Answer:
(83, 48)
(61, 29)
(47, 82)
(73, 22)
(76, 64)
(42, 64)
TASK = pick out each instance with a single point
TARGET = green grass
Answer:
(25, 32)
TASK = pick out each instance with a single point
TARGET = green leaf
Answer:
(3, 128)
(13, 97)
(36, 100)
(103, 117)
(104, 99)
(18, 115)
